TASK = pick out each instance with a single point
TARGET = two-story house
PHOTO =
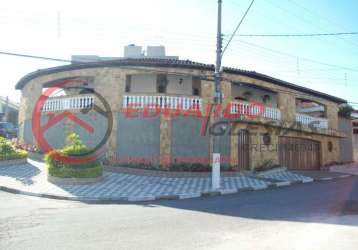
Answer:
(266, 121)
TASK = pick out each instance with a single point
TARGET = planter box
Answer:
(36, 156)
(13, 162)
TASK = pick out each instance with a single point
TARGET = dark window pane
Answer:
(128, 83)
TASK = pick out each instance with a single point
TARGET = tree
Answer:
(345, 111)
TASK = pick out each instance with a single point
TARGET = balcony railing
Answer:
(162, 101)
(54, 104)
(312, 121)
(255, 110)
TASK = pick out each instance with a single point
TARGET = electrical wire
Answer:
(302, 19)
(299, 35)
(295, 56)
(237, 27)
(327, 20)
(282, 22)
(34, 57)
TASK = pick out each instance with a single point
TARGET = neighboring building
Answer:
(9, 110)
(346, 144)
(354, 116)
(130, 51)
(276, 134)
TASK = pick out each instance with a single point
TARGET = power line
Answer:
(299, 35)
(315, 14)
(303, 19)
(237, 27)
(72, 61)
(283, 23)
(295, 56)
(35, 57)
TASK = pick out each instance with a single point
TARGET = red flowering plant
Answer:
(24, 146)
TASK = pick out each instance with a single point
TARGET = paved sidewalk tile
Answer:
(288, 176)
(119, 186)
(351, 169)
(320, 175)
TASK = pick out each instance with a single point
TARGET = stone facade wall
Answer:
(355, 147)
(346, 144)
(110, 83)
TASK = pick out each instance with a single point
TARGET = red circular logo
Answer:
(39, 130)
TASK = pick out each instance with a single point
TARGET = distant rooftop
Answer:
(354, 114)
(130, 51)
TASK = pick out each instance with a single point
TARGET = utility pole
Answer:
(218, 96)
(215, 174)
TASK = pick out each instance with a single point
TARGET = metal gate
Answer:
(243, 150)
(298, 153)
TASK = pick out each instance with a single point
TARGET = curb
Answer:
(344, 176)
(333, 178)
(13, 162)
(131, 199)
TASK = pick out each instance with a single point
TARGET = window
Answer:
(355, 124)
(330, 146)
(266, 98)
(196, 91)
(196, 86)
(128, 83)
(239, 98)
(355, 131)
(266, 139)
(162, 82)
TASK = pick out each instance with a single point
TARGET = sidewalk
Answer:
(31, 179)
(351, 169)
(119, 186)
(321, 175)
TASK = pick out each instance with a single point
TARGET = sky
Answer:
(187, 28)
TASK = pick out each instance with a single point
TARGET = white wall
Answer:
(174, 86)
(144, 84)
(147, 83)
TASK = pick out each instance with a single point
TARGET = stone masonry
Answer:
(110, 83)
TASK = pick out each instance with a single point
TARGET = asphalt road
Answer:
(320, 215)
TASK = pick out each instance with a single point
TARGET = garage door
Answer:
(298, 153)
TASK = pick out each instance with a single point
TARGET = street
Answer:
(319, 215)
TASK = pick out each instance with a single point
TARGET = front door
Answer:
(243, 150)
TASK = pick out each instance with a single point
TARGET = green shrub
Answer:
(345, 110)
(9, 152)
(59, 168)
(176, 167)
(70, 172)
(196, 167)
(144, 166)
